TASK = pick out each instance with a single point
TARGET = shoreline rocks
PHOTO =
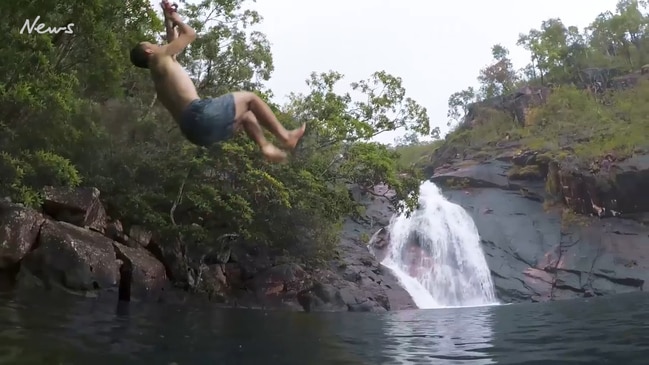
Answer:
(74, 247)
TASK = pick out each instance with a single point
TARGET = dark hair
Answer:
(139, 57)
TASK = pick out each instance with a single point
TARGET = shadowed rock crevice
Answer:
(125, 279)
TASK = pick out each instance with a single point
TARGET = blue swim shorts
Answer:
(208, 121)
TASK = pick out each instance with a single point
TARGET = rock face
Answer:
(610, 188)
(247, 275)
(73, 246)
(80, 207)
(516, 104)
(72, 255)
(555, 230)
(18, 233)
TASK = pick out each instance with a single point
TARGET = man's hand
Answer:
(168, 9)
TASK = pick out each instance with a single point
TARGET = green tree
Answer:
(74, 111)
(588, 111)
(500, 77)
(458, 105)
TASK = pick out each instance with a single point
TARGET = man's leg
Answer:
(246, 101)
(252, 128)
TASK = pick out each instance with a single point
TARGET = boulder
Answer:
(85, 253)
(279, 285)
(322, 298)
(19, 229)
(140, 235)
(73, 258)
(80, 206)
(142, 276)
(115, 231)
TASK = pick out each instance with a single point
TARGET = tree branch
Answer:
(179, 198)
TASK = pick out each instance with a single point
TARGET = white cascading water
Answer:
(451, 270)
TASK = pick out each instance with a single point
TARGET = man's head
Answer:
(141, 53)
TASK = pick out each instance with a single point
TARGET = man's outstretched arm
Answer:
(171, 30)
(186, 35)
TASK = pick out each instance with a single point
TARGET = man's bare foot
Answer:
(273, 154)
(294, 137)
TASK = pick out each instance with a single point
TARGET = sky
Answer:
(436, 47)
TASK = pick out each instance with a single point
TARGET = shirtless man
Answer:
(207, 121)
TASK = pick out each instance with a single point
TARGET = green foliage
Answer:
(490, 127)
(416, 155)
(500, 77)
(575, 120)
(75, 111)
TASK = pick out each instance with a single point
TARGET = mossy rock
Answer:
(455, 183)
(544, 158)
(529, 172)
(482, 156)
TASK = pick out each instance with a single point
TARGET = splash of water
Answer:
(436, 254)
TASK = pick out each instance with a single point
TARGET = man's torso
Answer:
(174, 86)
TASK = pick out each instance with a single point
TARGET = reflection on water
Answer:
(49, 331)
(454, 336)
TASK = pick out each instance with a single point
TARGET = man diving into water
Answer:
(207, 121)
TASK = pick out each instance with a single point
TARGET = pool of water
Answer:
(49, 330)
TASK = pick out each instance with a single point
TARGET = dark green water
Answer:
(56, 331)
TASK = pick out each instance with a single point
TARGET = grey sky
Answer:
(437, 47)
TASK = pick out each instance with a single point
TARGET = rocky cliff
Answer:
(72, 246)
(555, 230)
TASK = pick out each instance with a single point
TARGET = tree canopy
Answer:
(76, 112)
(598, 82)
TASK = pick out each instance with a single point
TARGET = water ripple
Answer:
(70, 332)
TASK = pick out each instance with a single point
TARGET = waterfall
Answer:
(436, 254)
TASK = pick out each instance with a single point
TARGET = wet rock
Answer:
(331, 292)
(359, 276)
(515, 236)
(19, 229)
(80, 206)
(73, 258)
(322, 298)
(379, 244)
(537, 252)
(621, 189)
(279, 285)
(537, 255)
(474, 175)
(142, 276)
